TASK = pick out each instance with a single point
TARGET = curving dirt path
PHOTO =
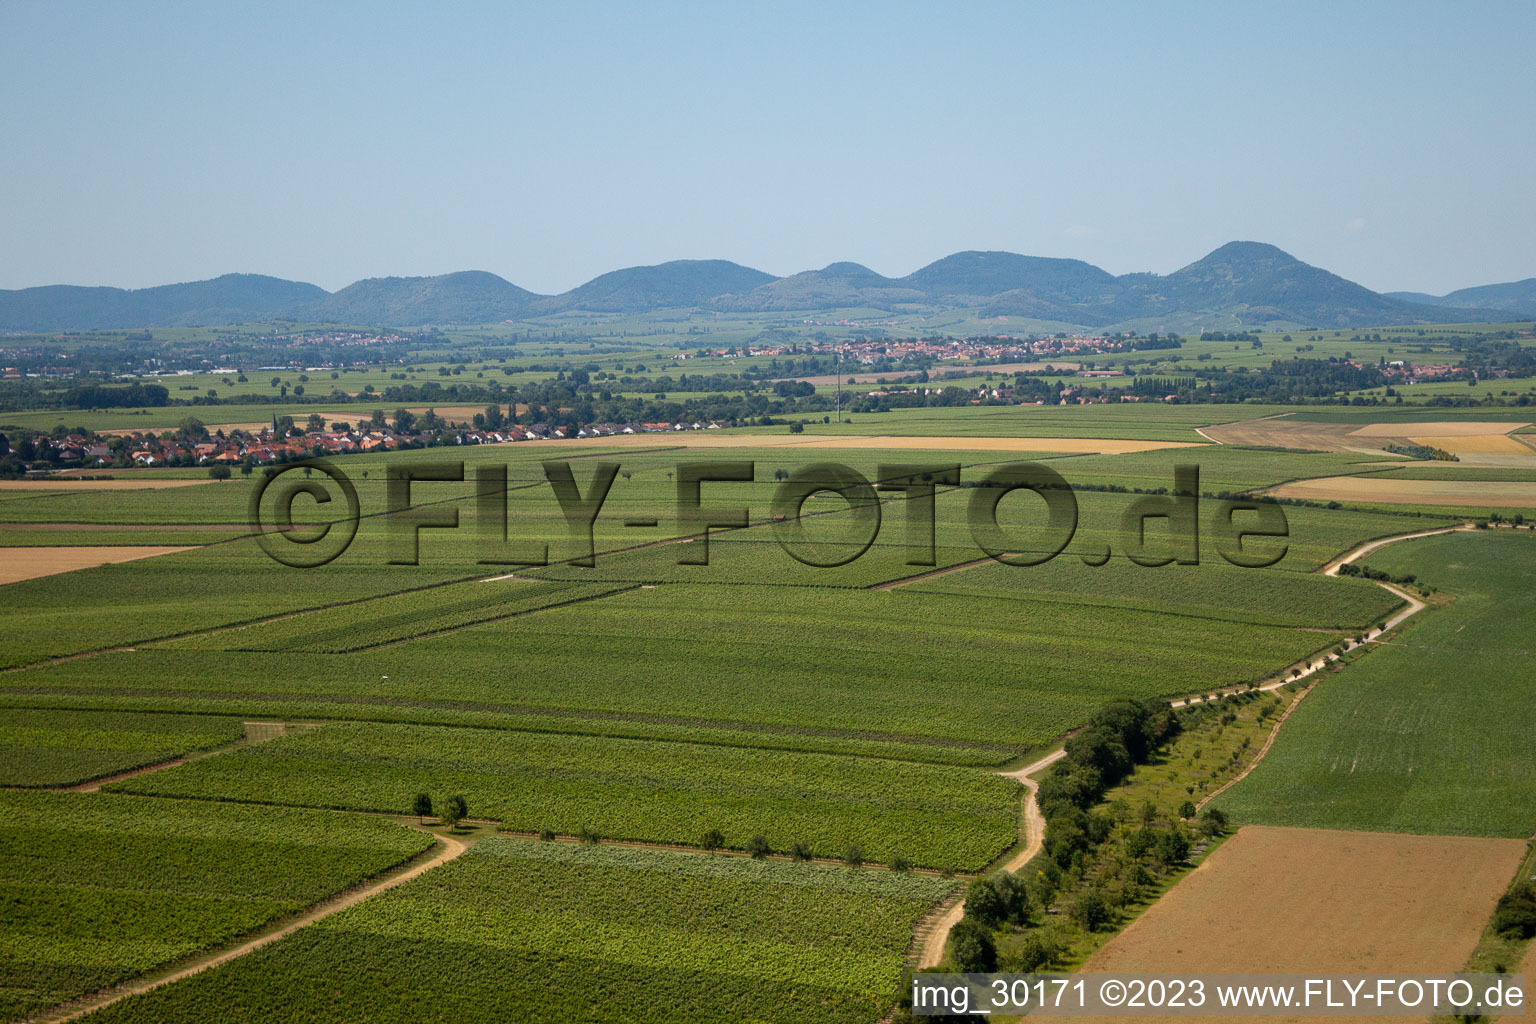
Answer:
(255, 732)
(451, 848)
(1269, 741)
(1332, 568)
(1306, 667)
(1034, 821)
(952, 911)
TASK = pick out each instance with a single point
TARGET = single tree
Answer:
(1090, 910)
(758, 847)
(713, 840)
(456, 810)
(422, 807)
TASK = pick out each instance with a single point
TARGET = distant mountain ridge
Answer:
(232, 298)
(1512, 297)
(1248, 283)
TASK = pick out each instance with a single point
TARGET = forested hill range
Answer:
(1517, 297)
(1250, 283)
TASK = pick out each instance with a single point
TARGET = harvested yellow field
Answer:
(29, 563)
(1269, 432)
(117, 484)
(1507, 494)
(1476, 444)
(1487, 442)
(1292, 899)
(1443, 428)
(710, 439)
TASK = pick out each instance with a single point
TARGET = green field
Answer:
(95, 889)
(933, 815)
(643, 699)
(59, 748)
(636, 654)
(561, 932)
(1217, 591)
(1432, 732)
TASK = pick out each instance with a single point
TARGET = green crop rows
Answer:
(95, 888)
(563, 932)
(59, 748)
(397, 617)
(627, 789)
(1262, 596)
(645, 700)
(1433, 732)
(1009, 674)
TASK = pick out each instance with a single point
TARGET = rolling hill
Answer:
(469, 296)
(835, 286)
(1512, 297)
(663, 286)
(232, 298)
(1260, 283)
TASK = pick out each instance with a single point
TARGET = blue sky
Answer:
(1393, 143)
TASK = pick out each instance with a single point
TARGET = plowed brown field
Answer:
(1303, 900)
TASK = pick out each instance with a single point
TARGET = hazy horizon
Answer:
(551, 146)
(576, 284)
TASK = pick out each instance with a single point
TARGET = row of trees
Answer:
(454, 810)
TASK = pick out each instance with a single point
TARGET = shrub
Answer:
(547, 835)
(900, 863)
(1038, 950)
(1213, 821)
(800, 851)
(1515, 916)
(758, 847)
(712, 840)
(853, 857)
(1187, 809)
